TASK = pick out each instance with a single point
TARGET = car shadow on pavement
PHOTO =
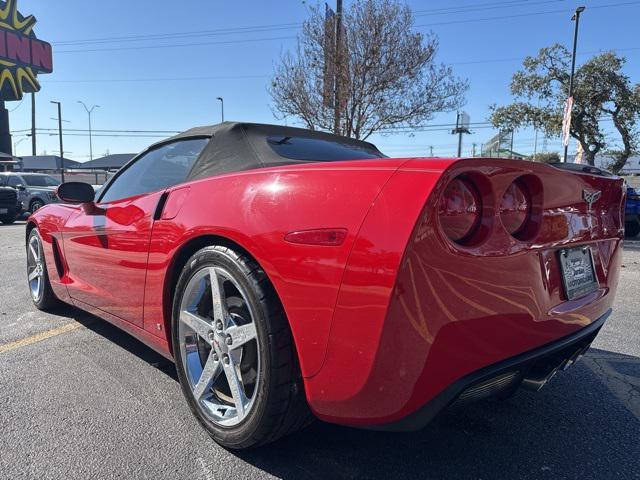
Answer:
(122, 339)
(584, 424)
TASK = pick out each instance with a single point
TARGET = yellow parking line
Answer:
(69, 327)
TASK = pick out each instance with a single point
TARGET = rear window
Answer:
(41, 181)
(320, 150)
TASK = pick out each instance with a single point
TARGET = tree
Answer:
(388, 73)
(601, 91)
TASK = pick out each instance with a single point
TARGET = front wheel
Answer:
(234, 351)
(37, 274)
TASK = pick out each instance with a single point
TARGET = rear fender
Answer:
(255, 210)
(416, 312)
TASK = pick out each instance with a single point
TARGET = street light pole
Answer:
(60, 135)
(576, 18)
(89, 112)
(15, 145)
(221, 107)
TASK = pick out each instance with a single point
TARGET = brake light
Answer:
(459, 209)
(515, 207)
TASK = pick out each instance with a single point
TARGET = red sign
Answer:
(22, 55)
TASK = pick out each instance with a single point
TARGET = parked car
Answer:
(34, 189)
(10, 206)
(293, 274)
(632, 213)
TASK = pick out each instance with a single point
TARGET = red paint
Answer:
(388, 318)
(174, 202)
(329, 237)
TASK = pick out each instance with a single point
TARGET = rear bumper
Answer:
(536, 365)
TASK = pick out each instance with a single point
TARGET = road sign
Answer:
(566, 121)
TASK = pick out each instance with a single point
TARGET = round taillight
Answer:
(460, 208)
(515, 208)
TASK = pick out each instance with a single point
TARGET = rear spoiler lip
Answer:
(583, 169)
(419, 163)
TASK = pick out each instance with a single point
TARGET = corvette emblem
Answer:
(591, 197)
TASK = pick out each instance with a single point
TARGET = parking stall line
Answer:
(39, 337)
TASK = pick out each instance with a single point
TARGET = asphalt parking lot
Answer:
(81, 399)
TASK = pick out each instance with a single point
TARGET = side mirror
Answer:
(76, 192)
(21, 187)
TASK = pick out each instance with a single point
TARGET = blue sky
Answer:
(164, 86)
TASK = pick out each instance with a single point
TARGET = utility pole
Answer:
(473, 150)
(89, 112)
(576, 18)
(5, 132)
(60, 135)
(511, 147)
(431, 150)
(338, 69)
(221, 100)
(33, 124)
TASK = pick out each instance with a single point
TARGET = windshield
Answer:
(41, 181)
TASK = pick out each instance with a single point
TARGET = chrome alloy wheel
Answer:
(219, 346)
(35, 267)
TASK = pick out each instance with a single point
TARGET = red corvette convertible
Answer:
(293, 274)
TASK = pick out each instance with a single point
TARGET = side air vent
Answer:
(57, 257)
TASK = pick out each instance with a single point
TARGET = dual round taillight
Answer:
(515, 208)
(460, 209)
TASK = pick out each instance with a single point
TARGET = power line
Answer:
(156, 79)
(292, 26)
(288, 26)
(481, 7)
(171, 132)
(523, 15)
(240, 77)
(195, 44)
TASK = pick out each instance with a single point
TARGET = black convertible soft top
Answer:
(237, 146)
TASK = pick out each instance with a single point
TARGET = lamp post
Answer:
(15, 145)
(89, 112)
(221, 107)
(60, 136)
(575, 18)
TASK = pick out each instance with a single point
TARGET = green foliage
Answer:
(545, 157)
(601, 90)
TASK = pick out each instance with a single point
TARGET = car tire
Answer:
(35, 205)
(269, 367)
(7, 220)
(41, 293)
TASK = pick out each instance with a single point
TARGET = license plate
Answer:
(578, 273)
(3, 210)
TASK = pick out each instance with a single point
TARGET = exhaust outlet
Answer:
(540, 374)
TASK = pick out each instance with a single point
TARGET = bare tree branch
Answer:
(390, 79)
